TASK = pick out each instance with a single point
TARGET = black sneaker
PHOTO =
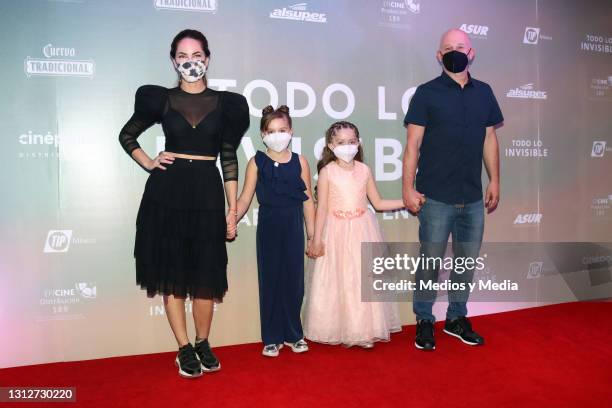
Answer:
(209, 361)
(425, 336)
(462, 329)
(187, 362)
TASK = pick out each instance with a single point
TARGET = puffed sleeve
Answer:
(148, 109)
(235, 123)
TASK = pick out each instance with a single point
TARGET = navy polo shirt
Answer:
(455, 121)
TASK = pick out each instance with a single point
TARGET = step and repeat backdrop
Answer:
(70, 194)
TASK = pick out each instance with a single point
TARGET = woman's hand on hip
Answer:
(161, 159)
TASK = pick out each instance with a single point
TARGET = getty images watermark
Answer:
(410, 264)
(491, 272)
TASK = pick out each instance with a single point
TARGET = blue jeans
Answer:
(437, 221)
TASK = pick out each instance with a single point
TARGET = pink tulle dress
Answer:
(334, 312)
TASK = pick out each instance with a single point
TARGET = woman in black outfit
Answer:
(181, 225)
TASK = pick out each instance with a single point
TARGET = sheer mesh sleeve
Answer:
(148, 108)
(235, 123)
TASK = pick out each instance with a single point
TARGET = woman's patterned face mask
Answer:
(191, 71)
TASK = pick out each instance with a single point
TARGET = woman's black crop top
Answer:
(206, 123)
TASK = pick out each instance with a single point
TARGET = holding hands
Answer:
(315, 248)
(232, 223)
(413, 200)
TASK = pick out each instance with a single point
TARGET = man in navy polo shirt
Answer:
(451, 131)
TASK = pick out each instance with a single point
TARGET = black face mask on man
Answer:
(455, 61)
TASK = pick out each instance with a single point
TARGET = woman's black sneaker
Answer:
(209, 361)
(187, 362)
(462, 329)
(425, 336)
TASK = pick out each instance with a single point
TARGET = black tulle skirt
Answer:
(180, 232)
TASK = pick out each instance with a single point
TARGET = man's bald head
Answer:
(453, 38)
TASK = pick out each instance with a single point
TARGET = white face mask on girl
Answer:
(277, 141)
(192, 70)
(346, 152)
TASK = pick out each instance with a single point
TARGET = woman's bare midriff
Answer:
(191, 156)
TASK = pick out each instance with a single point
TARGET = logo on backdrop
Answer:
(86, 290)
(475, 31)
(601, 205)
(599, 148)
(528, 219)
(535, 270)
(596, 43)
(38, 145)
(533, 35)
(394, 14)
(299, 12)
(527, 148)
(208, 6)
(60, 240)
(601, 88)
(83, 290)
(59, 61)
(526, 91)
(63, 300)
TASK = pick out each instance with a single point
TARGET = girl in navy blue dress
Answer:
(281, 180)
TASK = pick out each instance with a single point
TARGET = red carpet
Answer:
(553, 356)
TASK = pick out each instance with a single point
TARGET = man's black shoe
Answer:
(462, 329)
(425, 336)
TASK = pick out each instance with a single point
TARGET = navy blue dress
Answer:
(280, 248)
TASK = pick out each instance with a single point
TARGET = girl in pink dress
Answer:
(334, 311)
